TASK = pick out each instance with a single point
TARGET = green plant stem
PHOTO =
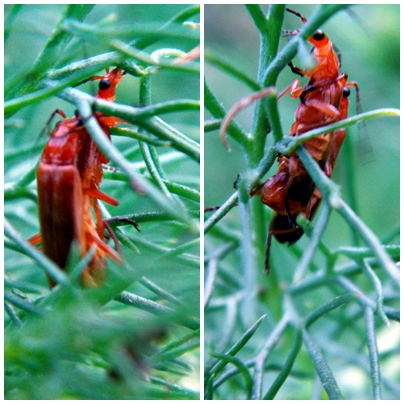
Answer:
(12, 300)
(287, 368)
(144, 58)
(314, 242)
(212, 124)
(210, 276)
(349, 178)
(327, 307)
(330, 194)
(99, 62)
(50, 268)
(218, 366)
(254, 177)
(269, 43)
(12, 313)
(177, 31)
(159, 291)
(364, 252)
(177, 140)
(350, 287)
(157, 309)
(138, 116)
(379, 291)
(248, 255)
(258, 17)
(51, 51)
(114, 155)
(373, 353)
(172, 346)
(53, 87)
(221, 212)
(231, 308)
(9, 20)
(181, 17)
(149, 155)
(322, 368)
(243, 370)
(139, 135)
(270, 30)
(132, 114)
(371, 240)
(187, 346)
(290, 143)
(182, 392)
(263, 354)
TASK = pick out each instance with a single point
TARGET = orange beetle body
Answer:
(68, 179)
(324, 100)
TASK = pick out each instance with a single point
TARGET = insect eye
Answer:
(346, 92)
(104, 84)
(318, 35)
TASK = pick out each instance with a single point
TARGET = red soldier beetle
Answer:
(68, 179)
(283, 225)
(90, 158)
(324, 100)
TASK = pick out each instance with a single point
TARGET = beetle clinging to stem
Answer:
(323, 100)
(68, 179)
(291, 196)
